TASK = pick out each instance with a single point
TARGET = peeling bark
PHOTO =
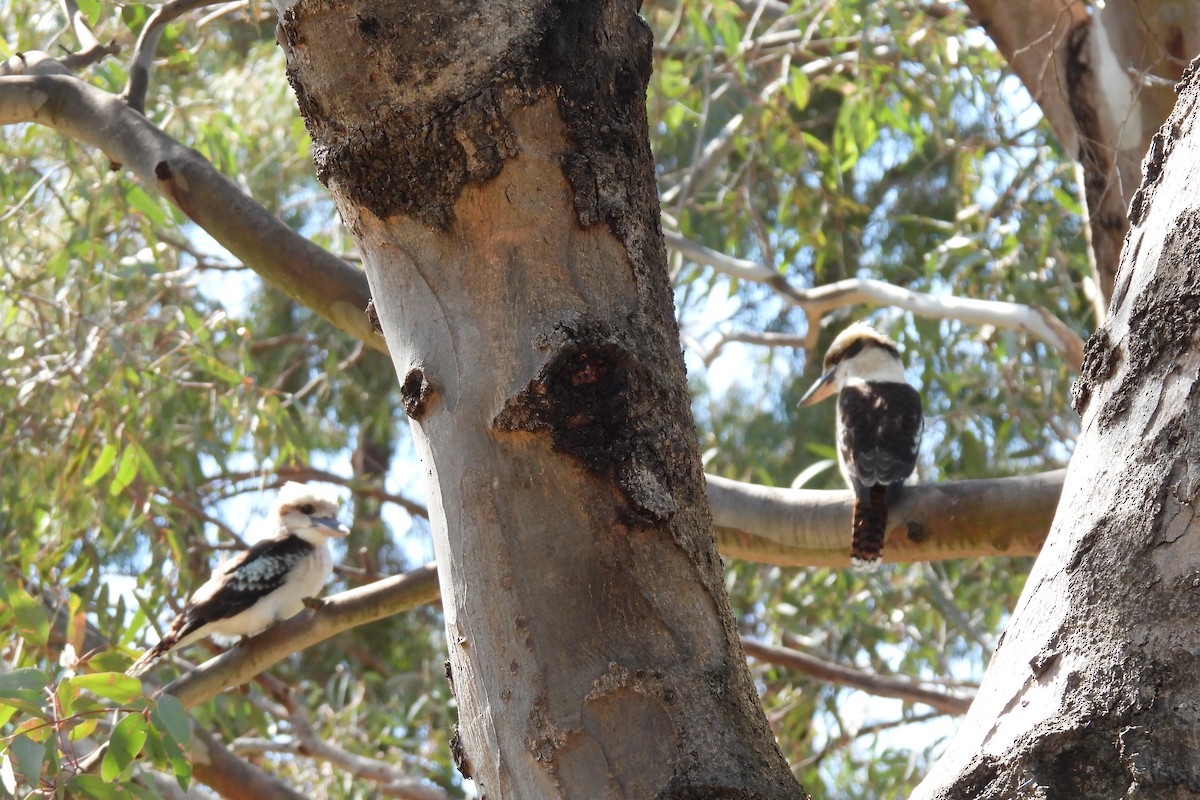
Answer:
(1092, 692)
(493, 162)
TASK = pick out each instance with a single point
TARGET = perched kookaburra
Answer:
(269, 582)
(878, 429)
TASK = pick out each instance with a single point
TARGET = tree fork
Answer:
(493, 163)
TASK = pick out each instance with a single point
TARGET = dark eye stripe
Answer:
(850, 352)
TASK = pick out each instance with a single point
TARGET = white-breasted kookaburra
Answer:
(879, 424)
(266, 583)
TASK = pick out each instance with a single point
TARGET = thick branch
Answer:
(934, 522)
(899, 688)
(795, 527)
(302, 270)
(817, 301)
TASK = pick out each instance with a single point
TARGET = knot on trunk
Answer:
(597, 402)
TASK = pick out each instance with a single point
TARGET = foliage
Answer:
(150, 389)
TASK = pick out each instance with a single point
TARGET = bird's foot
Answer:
(313, 602)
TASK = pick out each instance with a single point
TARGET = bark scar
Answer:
(596, 401)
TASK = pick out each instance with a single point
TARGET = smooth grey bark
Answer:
(1093, 691)
(492, 160)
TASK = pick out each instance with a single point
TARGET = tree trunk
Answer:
(1093, 692)
(1103, 79)
(494, 165)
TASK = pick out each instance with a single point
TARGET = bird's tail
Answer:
(148, 658)
(870, 525)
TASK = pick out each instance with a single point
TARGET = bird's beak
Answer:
(331, 524)
(824, 387)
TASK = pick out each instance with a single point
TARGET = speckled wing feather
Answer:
(235, 586)
(245, 579)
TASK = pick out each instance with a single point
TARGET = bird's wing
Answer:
(881, 431)
(242, 581)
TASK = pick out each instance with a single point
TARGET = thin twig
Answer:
(817, 301)
(884, 686)
(90, 49)
(389, 781)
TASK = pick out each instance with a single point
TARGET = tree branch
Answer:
(1001, 516)
(304, 473)
(899, 688)
(90, 49)
(147, 45)
(390, 782)
(815, 302)
(300, 269)
(338, 613)
(230, 776)
(930, 522)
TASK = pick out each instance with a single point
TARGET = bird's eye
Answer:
(307, 508)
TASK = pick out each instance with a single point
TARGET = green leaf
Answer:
(19, 680)
(170, 716)
(124, 745)
(22, 689)
(800, 90)
(104, 462)
(96, 788)
(115, 686)
(127, 470)
(90, 9)
(28, 756)
(136, 196)
(146, 466)
(32, 621)
(111, 660)
(84, 729)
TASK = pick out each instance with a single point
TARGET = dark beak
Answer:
(824, 387)
(337, 528)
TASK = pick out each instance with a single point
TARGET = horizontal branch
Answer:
(881, 685)
(816, 302)
(291, 263)
(930, 522)
(1001, 516)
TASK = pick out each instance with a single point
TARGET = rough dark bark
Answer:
(492, 160)
(1092, 693)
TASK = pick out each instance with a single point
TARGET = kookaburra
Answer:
(268, 582)
(878, 429)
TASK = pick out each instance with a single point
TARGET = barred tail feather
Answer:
(869, 526)
(148, 658)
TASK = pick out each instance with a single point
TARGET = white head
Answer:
(309, 512)
(859, 353)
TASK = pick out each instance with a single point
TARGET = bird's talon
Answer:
(313, 602)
